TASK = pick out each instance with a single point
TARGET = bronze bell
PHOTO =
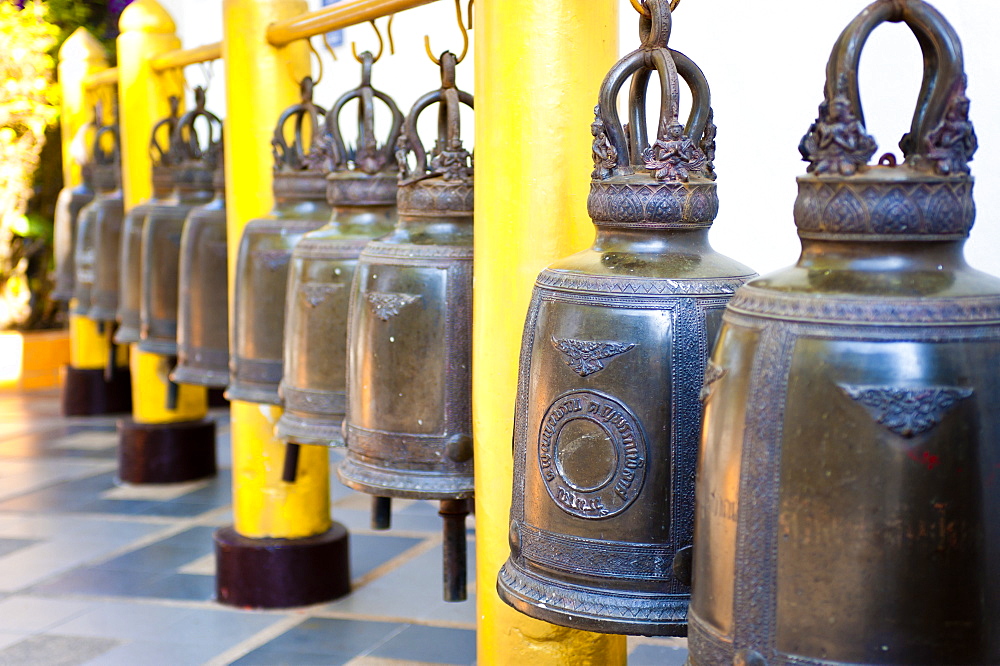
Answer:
(100, 226)
(847, 509)
(300, 206)
(70, 202)
(203, 313)
(409, 423)
(361, 188)
(130, 275)
(107, 240)
(608, 409)
(195, 160)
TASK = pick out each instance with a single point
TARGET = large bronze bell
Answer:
(194, 170)
(107, 249)
(848, 510)
(608, 410)
(130, 275)
(409, 423)
(361, 188)
(70, 202)
(100, 223)
(300, 206)
(203, 312)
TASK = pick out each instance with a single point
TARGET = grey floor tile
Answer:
(124, 621)
(158, 558)
(25, 615)
(196, 537)
(430, 644)
(344, 638)
(657, 655)
(167, 652)
(99, 582)
(180, 587)
(219, 628)
(8, 546)
(412, 591)
(267, 656)
(369, 551)
(54, 650)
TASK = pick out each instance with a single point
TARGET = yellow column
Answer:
(143, 98)
(80, 56)
(539, 65)
(259, 86)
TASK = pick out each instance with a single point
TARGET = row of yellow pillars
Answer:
(539, 65)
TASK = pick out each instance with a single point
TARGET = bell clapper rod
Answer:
(184, 57)
(173, 388)
(290, 470)
(381, 513)
(109, 368)
(335, 17)
(455, 555)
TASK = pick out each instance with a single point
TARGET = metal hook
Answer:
(319, 62)
(388, 29)
(381, 45)
(468, 11)
(329, 49)
(465, 37)
(640, 6)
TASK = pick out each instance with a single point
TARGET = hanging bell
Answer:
(409, 423)
(847, 505)
(70, 202)
(361, 188)
(603, 502)
(203, 312)
(99, 228)
(195, 159)
(130, 276)
(255, 362)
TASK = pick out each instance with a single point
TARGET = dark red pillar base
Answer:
(87, 393)
(281, 573)
(216, 399)
(165, 452)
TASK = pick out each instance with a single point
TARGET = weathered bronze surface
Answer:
(847, 509)
(130, 273)
(99, 226)
(608, 410)
(68, 206)
(195, 160)
(362, 191)
(255, 362)
(409, 423)
(203, 312)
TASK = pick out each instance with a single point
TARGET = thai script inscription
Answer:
(591, 454)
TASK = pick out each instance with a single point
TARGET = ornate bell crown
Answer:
(439, 184)
(364, 174)
(300, 166)
(669, 184)
(159, 146)
(929, 196)
(196, 158)
(106, 168)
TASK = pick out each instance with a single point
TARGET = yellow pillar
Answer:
(539, 66)
(143, 99)
(259, 86)
(79, 56)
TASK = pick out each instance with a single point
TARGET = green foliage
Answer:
(94, 15)
(29, 106)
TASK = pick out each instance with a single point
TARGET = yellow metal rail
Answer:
(184, 57)
(107, 77)
(335, 17)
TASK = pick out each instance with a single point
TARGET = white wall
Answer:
(766, 62)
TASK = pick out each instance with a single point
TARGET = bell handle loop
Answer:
(102, 156)
(294, 156)
(410, 135)
(635, 62)
(944, 68)
(701, 102)
(190, 144)
(366, 95)
(157, 152)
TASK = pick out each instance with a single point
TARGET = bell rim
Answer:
(242, 391)
(298, 429)
(184, 374)
(126, 334)
(356, 475)
(155, 346)
(544, 607)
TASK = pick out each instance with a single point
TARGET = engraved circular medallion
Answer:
(591, 454)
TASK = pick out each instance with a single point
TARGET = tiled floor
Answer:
(96, 573)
